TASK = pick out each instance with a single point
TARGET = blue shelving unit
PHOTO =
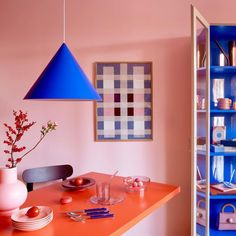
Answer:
(219, 161)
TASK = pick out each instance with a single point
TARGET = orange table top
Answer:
(127, 213)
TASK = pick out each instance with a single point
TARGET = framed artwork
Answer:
(125, 112)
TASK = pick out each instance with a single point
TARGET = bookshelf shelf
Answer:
(219, 196)
(212, 154)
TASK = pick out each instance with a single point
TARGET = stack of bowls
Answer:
(224, 103)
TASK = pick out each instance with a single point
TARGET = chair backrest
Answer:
(46, 173)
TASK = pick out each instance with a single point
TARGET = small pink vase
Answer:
(13, 192)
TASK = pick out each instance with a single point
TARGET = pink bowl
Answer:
(135, 184)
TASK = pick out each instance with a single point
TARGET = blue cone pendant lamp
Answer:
(63, 79)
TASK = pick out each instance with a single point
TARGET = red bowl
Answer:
(87, 182)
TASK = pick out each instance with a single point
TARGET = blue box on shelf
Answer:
(231, 143)
(217, 148)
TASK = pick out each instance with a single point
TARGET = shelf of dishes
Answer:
(218, 190)
(221, 105)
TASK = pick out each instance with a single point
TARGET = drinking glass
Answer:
(103, 192)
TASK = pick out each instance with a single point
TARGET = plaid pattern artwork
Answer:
(126, 110)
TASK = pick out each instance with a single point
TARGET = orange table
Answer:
(127, 213)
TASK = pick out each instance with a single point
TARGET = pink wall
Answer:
(108, 30)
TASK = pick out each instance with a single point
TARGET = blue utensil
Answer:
(87, 213)
(89, 210)
(101, 216)
(96, 213)
(95, 209)
(83, 218)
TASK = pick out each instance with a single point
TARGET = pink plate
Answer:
(31, 227)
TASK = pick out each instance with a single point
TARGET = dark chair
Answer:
(44, 174)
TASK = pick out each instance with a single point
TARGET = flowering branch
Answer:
(50, 126)
(15, 134)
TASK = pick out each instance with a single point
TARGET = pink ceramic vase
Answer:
(13, 192)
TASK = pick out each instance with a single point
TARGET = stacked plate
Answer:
(224, 103)
(22, 222)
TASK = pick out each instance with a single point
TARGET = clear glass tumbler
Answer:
(103, 192)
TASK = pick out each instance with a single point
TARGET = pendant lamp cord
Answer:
(64, 21)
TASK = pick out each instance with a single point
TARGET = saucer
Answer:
(111, 201)
(88, 182)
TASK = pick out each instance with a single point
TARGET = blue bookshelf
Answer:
(222, 85)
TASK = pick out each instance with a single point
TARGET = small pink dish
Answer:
(66, 199)
(136, 183)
